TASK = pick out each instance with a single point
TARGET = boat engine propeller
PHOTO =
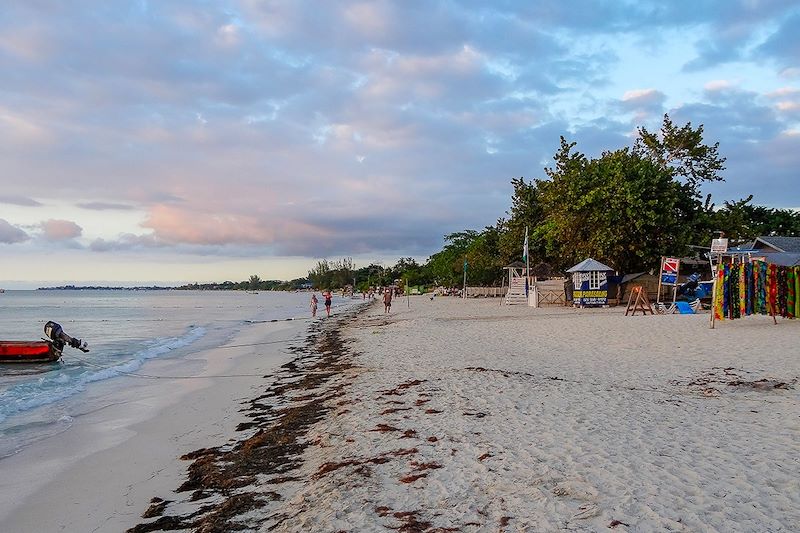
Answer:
(56, 334)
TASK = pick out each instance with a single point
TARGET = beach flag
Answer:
(525, 246)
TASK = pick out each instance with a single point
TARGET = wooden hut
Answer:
(590, 279)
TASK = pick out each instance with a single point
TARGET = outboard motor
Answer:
(689, 288)
(56, 334)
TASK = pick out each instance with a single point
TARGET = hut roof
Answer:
(516, 264)
(588, 265)
(780, 244)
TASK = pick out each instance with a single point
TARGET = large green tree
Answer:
(622, 208)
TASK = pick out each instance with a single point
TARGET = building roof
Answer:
(781, 244)
(589, 265)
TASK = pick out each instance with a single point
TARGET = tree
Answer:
(622, 208)
(682, 152)
(254, 283)
(526, 212)
(741, 221)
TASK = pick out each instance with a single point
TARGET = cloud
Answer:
(126, 241)
(19, 200)
(105, 206)
(60, 230)
(11, 234)
(310, 129)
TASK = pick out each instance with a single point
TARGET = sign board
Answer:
(719, 246)
(669, 271)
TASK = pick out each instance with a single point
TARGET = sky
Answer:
(176, 141)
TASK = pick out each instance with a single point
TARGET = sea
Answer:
(124, 330)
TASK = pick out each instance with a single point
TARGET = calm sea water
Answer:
(124, 329)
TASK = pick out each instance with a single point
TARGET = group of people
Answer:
(328, 296)
(315, 302)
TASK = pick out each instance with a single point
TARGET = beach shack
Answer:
(590, 279)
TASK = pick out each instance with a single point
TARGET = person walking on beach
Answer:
(387, 300)
(314, 302)
(328, 296)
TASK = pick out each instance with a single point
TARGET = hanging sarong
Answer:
(782, 289)
(791, 295)
(750, 288)
(719, 293)
(733, 303)
(726, 301)
(772, 289)
(797, 291)
(762, 287)
(742, 290)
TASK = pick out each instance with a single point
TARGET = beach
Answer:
(450, 415)
(101, 474)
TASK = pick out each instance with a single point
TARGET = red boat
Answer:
(28, 352)
(44, 351)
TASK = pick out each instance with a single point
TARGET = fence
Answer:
(486, 292)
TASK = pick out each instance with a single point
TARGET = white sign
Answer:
(719, 246)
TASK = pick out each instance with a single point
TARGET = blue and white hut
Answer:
(590, 280)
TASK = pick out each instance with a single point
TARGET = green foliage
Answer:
(682, 152)
(526, 212)
(622, 209)
(332, 274)
(741, 221)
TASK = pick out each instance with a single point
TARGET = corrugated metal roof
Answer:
(782, 244)
(588, 265)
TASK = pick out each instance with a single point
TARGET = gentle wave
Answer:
(72, 380)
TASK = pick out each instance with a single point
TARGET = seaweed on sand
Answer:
(230, 480)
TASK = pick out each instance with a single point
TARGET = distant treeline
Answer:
(252, 284)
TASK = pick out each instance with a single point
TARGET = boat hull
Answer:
(28, 352)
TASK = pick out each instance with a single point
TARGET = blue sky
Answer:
(177, 141)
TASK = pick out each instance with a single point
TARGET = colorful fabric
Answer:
(791, 294)
(719, 291)
(726, 290)
(797, 291)
(772, 289)
(762, 288)
(742, 289)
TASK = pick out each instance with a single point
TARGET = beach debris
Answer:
(231, 479)
(731, 379)
(413, 477)
(615, 523)
(485, 456)
(157, 506)
(383, 428)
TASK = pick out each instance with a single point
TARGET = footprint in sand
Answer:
(578, 490)
(581, 491)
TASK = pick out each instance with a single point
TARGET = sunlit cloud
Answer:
(60, 230)
(267, 129)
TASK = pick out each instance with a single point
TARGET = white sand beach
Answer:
(101, 473)
(467, 416)
(461, 415)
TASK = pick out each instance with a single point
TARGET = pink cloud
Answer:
(60, 230)
(180, 225)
